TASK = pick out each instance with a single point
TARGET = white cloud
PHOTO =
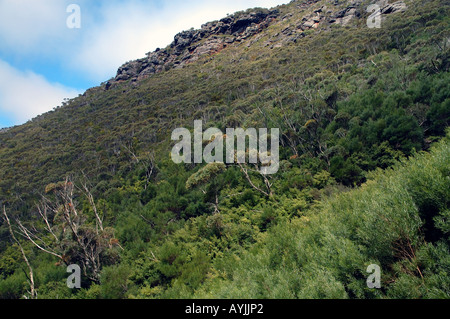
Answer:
(32, 26)
(25, 95)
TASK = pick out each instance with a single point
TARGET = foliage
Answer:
(363, 179)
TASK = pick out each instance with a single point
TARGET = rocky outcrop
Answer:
(4, 130)
(346, 14)
(344, 17)
(398, 6)
(189, 46)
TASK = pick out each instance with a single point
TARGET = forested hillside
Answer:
(364, 165)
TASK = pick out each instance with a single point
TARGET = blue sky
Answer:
(42, 61)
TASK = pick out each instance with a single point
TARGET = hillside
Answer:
(349, 100)
(398, 220)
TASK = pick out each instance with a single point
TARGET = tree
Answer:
(69, 232)
(205, 175)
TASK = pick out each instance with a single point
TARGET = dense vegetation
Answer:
(364, 176)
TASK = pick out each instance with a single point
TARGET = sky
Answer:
(51, 50)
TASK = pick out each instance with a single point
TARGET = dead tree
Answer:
(245, 170)
(30, 275)
(85, 189)
(147, 162)
(68, 233)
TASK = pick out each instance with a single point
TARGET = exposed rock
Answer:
(182, 41)
(308, 24)
(287, 16)
(344, 17)
(189, 46)
(398, 6)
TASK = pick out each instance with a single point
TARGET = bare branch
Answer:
(30, 269)
(28, 236)
(268, 185)
(43, 212)
(92, 202)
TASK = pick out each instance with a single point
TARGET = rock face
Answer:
(344, 16)
(189, 46)
(398, 6)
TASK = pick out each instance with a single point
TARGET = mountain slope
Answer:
(89, 131)
(348, 99)
(327, 252)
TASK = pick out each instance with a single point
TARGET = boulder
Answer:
(398, 6)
